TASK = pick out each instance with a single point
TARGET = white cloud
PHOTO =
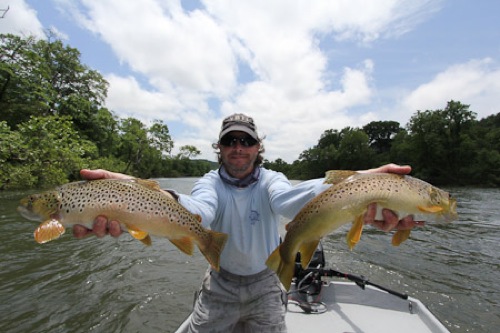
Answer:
(190, 61)
(20, 19)
(476, 83)
(186, 50)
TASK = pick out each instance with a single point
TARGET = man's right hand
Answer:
(101, 226)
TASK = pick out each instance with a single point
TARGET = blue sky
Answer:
(298, 67)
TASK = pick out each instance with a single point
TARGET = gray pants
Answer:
(234, 303)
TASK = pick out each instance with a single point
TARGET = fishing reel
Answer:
(306, 290)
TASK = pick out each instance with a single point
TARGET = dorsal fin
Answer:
(336, 176)
(151, 184)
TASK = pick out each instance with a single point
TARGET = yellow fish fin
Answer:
(430, 209)
(138, 234)
(284, 269)
(146, 240)
(336, 176)
(354, 235)
(49, 230)
(400, 236)
(151, 184)
(307, 252)
(185, 244)
(213, 247)
(274, 259)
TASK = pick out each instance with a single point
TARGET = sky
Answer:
(298, 67)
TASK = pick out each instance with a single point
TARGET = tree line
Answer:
(53, 122)
(445, 147)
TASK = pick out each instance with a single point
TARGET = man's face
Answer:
(238, 152)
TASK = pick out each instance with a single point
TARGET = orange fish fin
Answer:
(284, 269)
(146, 241)
(197, 217)
(400, 236)
(213, 247)
(151, 184)
(184, 244)
(354, 235)
(49, 230)
(138, 234)
(307, 251)
(430, 209)
(336, 176)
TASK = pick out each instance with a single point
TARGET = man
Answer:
(245, 201)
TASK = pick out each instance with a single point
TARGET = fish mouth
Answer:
(28, 214)
(451, 214)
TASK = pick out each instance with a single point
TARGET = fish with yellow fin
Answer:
(140, 206)
(347, 201)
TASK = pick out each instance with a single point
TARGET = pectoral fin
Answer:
(143, 236)
(430, 209)
(400, 236)
(49, 230)
(354, 235)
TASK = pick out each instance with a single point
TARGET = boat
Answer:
(319, 301)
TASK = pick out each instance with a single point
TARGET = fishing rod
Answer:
(361, 281)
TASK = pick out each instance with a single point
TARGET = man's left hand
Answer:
(390, 219)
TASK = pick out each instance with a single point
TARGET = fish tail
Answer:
(284, 270)
(213, 248)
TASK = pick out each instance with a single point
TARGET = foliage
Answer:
(53, 122)
(445, 147)
(44, 151)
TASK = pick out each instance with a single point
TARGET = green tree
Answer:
(159, 137)
(188, 152)
(439, 142)
(44, 78)
(133, 143)
(354, 151)
(45, 151)
(486, 143)
(278, 165)
(381, 135)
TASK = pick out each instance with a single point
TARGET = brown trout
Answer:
(139, 205)
(347, 201)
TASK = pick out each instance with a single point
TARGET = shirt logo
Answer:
(254, 217)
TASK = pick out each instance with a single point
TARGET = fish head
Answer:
(447, 204)
(40, 206)
(451, 211)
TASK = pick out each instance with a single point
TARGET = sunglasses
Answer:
(230, 141)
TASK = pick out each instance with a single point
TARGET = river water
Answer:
(120, 285)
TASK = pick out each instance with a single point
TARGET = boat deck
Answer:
(345, 307)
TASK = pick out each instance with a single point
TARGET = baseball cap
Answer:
(239, 122)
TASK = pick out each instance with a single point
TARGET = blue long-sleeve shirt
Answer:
(249, 215)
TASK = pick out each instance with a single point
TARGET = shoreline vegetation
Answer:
(54, 122)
